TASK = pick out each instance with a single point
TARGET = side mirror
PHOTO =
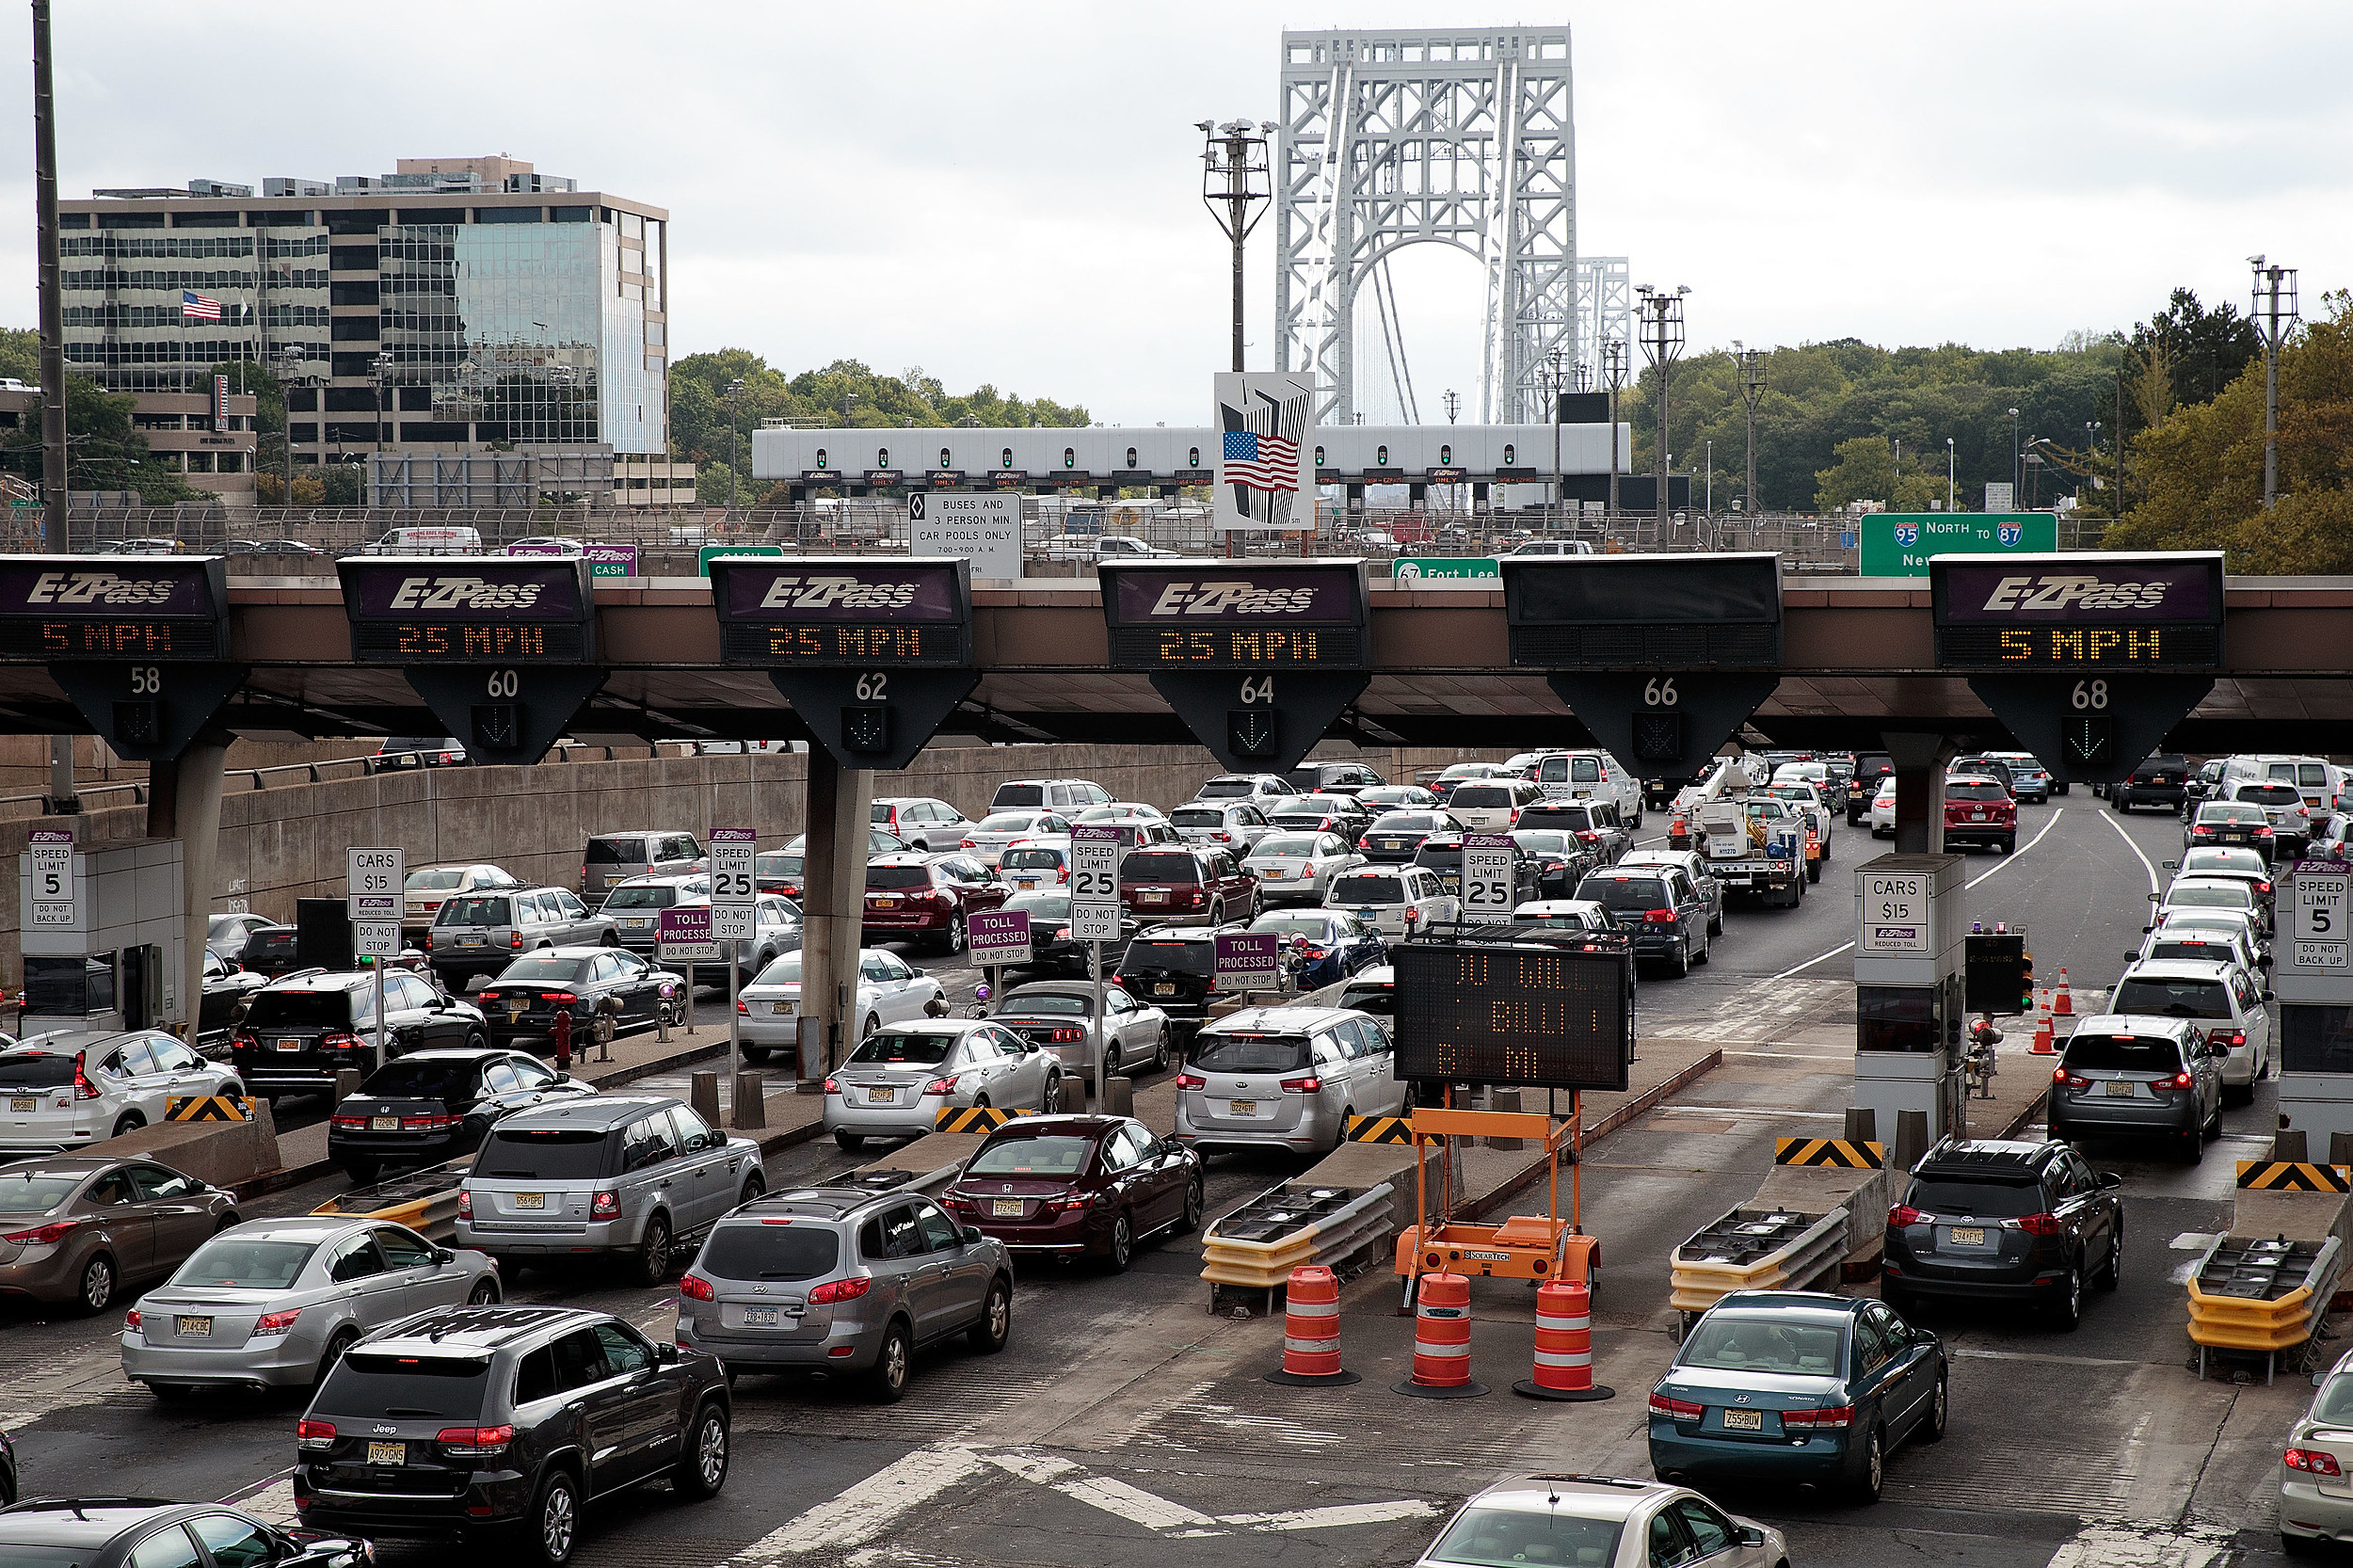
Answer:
(1751, 1537)
(666, 1354)
(973, 1236)
(2268, 997)
(442, 1254)
(2170, 865)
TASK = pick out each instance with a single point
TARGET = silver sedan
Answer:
(1059, 1015)
(274, 1304)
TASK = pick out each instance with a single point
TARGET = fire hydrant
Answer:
(564, 1040)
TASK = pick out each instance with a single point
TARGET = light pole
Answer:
(2275, 301)
(1559, 390)
(1948, 473)
(2017, 478)
(291, 355)
(1235, 176)
(1613, 365)
(735, 400)
(1752, 361)
(1662, 345)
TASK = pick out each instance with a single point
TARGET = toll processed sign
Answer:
(1542, 1017)
(1898, 544)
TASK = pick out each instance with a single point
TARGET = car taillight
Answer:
(695, 1288)
(1829, 1417)
(741, 1007)
(131, 1321)
(2179, 1080)
(244, 1042)
(561, 999)
(2313, 1462)
(1675, 1409)
(2263, 887)
(44, 1236)
(2074, 1080)
(940, 1086)
(473, 1442)
(1903, 1216)
(840, 1290)
(961, 1203)
(605, 1206)
(436, 1122)
(1413, 911)
(1307, 1085)
(1587, 835)
(1192, 1080)
(1066, 1035)
(270, 1323)
(2233, 1039)
(315, 1434)
(515, 940)
(1659, 917)
(83, 1088)
(428, 941)
(831, 1087)
(2037, 1224)
(2263, 833)
(967, 844)
(344, 1121)
(2201, 832)
(343, 1042)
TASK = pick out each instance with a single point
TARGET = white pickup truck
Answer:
(1756, 845)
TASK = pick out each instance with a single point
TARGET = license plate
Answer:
(1006, 1208)
(1027, 884)
(387, 1453)
(1744, 1420)
(1241, 1108)
(1151, 898)
(469, 941)
(759, 1317)
(885, 903)
(24, 1102)
(1275, 874)
(2117, 1091)
(1967, 1236)
(1166, 990)
(383, 1124)
(192, 1328)
(780, 1009)
(289, 1044)
(2235, 838)
(881, 1096)
(636, 922)
(531, 1200)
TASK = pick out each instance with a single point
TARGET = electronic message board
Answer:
(143, 607)
(468, 610)
(1540, 1016)
(2093, 610)
(1643, 612)
(859, 612)
(1235, 615)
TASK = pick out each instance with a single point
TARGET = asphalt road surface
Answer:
(1124, 1421)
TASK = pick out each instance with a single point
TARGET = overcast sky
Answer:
(1011, 193)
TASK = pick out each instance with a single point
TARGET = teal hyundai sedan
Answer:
(1796, 1385)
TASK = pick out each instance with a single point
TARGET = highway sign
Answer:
(734, 923)
(1898, 544)
(683, 936)
(371, 881)
(49, 853)
(984, 528)
(999, 937)
(376, 939)
(1476, 571)
(1488, 882)
(1246, 961)
(1540, 1017)
(1094, 857)
(733, 851)
(710, 552)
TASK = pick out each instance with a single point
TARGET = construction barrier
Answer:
(1380, 1130)
(974, 1118)
(2266, 1294)
(209, 1108)
(1564, 1347)
(1755, 1249)
(1311, 1330)
(425, 1201)
(1257, 1245)
(1846, 1153)
(1442, 1324)
(2293, 1176)
(2045, 1042)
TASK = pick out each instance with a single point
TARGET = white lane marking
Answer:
(868, 1509)
(1816, 959)
(2153, 1545)
(2011, 858)
(1751, 1111)
(1133, 1504)
(1042, 1468)
(1965, 1352)
(2192, 1241)
(2109, 818)
(273, 1503)
(1338, 1516)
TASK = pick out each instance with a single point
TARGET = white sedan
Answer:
(1809, 798)
(76, 1088)
(767, 1011)
(988, 838)
(1296, 868)
(1883, 810)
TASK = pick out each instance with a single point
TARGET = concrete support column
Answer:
(183, 803)
(834, 879)
(1920, 789)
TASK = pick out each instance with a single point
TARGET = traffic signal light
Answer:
(2025, 977)
(1997, 973)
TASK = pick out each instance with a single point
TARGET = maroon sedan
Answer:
(927, 898)
(1080, 1185)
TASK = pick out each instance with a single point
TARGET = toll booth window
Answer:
(69, 988)
(1896, 1018)
(2312, 1039)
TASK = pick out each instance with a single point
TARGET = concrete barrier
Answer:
(225, 1154)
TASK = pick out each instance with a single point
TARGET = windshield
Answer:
(2193, 948)
(37, 1191)
(1568, 818)
(476, 911)
(645, 896)
(1160, 865)
(1545, 843)
(1041, 906)
(2212, 896)
(893, 878)
(2231, 811)
(437, 1387)
(783, 970)
(2218, 862)
(1991, 1200)
(1046, 1004)
(2335, 1404)
(1477, 797)
(1298, 847)
(1032, 859)
(2129, 1053)
(1758, 1342)
(2172, 998)
(1508, 1538)
(1226, 789)
(1145, 954)
(1253, 1054)
(1195, 816)
(898, 1047)
(1613, 892)
(544, 1154)
(545, 971)
(1367, 889)
(1056, 1156)
(441, 881)
(432, 1078)
(788, 1252)
(238, 1263)
(2312, 774)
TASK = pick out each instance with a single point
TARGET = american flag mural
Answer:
(1265, 422)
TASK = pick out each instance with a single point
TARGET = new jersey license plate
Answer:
(1241, 1108)
(780, 1009)
(1967, 1236)
(22, 1103)
(383, 1124)
(759, 1317)
(1005, 1209)
(881, 1096)
(2117, 1091)
(387, 1453)
(531, 1200)
(192, 1328)
(1744, 1420)
(1160, 990)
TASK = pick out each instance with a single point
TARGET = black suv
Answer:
(1443, 852)
(305, 1029)
(1862, 787)
(1173, 969)
(2162, 780)
(435, 1105)
(2005, 1222)
(468, 1422)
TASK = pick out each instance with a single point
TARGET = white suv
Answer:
(1399, 900)
(2223, 1000)
(73, 1089)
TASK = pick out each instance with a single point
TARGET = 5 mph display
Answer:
(1535, 1015)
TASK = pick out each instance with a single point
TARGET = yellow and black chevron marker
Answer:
(1839, 1152)
(2293, 1176)
(973, 1118)
(208, 1107)
(1380, 1129)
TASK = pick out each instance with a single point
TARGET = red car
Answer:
(927, 898)
(1173, 886)
(1080, 1186)
(1979, 810)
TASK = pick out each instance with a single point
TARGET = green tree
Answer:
(105, 450)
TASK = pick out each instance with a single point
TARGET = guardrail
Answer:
(1256, 1246)
(2260, 1294)
(1755, 1249)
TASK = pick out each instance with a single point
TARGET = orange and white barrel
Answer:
(1442, 1325)
(1565, 1346)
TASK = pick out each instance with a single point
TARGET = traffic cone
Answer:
(2062, 1004)
(1442, 1321)
(1565, 1346)
(2043, 1038)
(1311, 1329)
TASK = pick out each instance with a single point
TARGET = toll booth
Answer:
(1909, 947)
(113, 960)
(2313, 975)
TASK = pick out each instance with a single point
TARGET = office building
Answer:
(211, 447)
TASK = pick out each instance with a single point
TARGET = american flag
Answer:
(198, 307)
(1260, 462)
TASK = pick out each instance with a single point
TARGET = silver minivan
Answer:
(624, 1176)
(1286, 1076)
(612, 859)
